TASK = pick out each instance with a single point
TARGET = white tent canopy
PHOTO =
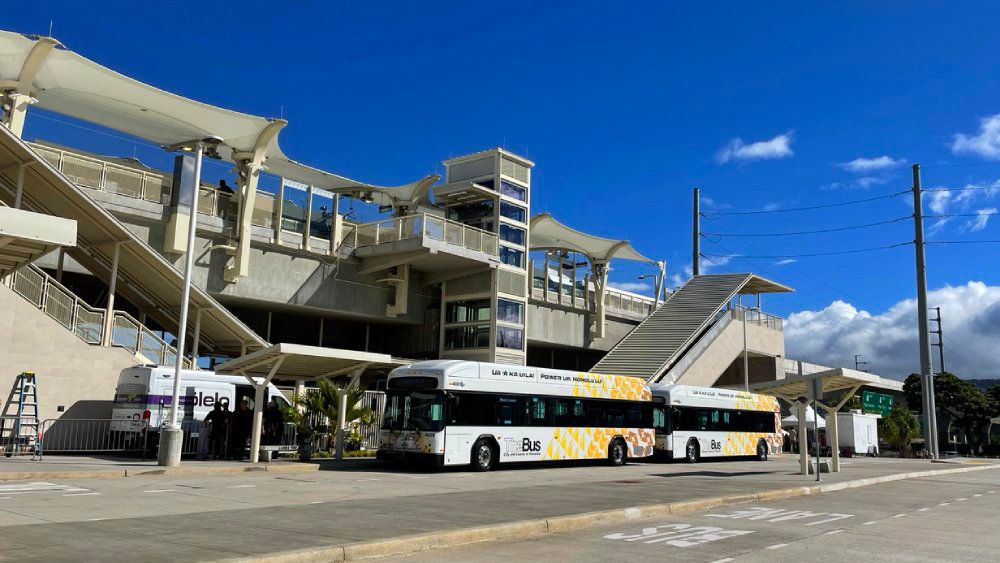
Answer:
(549, 234)
(792, 420)
(67, 83)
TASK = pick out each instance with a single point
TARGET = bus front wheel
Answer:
(761, 451)
(617, 452)
(484, 456)
(692, 452)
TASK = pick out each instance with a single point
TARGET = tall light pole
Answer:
(696, 235)
(171, 435)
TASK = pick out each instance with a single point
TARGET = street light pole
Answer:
(171, 435)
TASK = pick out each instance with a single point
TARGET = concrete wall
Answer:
(717, 357)
(78, 376)
(562, 326)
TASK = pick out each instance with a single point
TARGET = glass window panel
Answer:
(468, 311)
(293, 211)
(510, 311)
(511, 190)
(465, 337)
(513, 212)
(321, 222)
(513, 235)
(511, 338)
(511, 256)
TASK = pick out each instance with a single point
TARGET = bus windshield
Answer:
(414, 410)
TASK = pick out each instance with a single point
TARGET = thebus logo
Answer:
(524, 445)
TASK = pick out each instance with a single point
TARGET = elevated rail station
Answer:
(288, 282)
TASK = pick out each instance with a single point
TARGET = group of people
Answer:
(228, 432)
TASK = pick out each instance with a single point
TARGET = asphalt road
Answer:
(947, 518)
(197, 518)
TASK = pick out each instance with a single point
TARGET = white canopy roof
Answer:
(549, 234)
(68, 83)
(792, 420)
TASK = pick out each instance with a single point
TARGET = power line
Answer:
(808, 208)
(962, 242)
(811, 255)
(833, 230)
(965, 189)
(946, 215)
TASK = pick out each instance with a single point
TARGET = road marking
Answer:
(990, 492)
(678, 535)
(159, 491)
(777, 546)
(32, 487)
(898, 515)
(726, 560)
(81, 494)
(94, 519)
(961, 499)
(316, 502)
(870, 522)
(831, 532)
(925, 509)
(75, 490)
(306, 483)
(943, 503)
(4, 498)
(240, 486)
(977, 495)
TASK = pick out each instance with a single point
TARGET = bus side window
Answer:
(659, 418)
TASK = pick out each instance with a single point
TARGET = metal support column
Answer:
(109, 310)
(696, 235)
(923, 329)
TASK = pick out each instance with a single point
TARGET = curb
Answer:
(151, 471)
(525, 529)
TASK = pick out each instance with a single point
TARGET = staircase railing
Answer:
(87, 321)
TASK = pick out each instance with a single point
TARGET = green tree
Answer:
(960, 405)
(325, 401)
(900, 428)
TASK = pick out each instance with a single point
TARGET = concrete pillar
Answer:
(14, 119)
(109, 311)
(600, 275)
(341, 423)
(803, 440)
(60, 263)
(19, 186)
(831, 431)
(258, 420)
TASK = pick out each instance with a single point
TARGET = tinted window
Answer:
(513, 212)
(513, 235)
(511, 190)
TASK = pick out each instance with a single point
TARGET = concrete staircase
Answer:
(665, 336)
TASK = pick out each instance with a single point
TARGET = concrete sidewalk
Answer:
(369, 509)
(22, 468)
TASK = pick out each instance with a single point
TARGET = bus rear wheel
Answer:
(761, 451)
(692, 453)
(484, 457)
(617, 452)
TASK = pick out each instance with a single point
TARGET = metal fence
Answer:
(79, 435)
(325, 440)
(423, 225)
(106, 176)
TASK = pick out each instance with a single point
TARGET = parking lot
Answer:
(219, 516)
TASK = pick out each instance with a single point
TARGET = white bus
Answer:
(454, 412)
(696, 422)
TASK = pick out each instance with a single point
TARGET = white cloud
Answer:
(785, 262)
(832, 336)
(634, 287)
(985, 144)
(736, 149)
(982, 218)
(866, 182)
(870, 165)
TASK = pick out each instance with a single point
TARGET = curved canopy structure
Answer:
(549, 234)
(65, 82)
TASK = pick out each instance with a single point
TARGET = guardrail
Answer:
(567, 295)
(86, 321)
(106, 176)
(758, 318)
(76, 435)
(58, 302)
(424, 225)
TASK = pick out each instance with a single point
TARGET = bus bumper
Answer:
(435, 460)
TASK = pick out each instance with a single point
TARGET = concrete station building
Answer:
(92, 247)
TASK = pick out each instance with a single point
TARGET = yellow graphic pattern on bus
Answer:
(593, 443)
(600, 386)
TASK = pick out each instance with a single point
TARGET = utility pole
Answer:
(923, 330)
(696, 235)
(859, 365)
(940, 338)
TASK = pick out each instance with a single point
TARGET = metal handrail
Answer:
(106, 176)
(424, 225)
(139, 339)
(58, 302)
(757, 317)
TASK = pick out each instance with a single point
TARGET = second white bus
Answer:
(696, 422)
(454, 412)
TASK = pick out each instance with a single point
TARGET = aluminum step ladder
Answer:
(19, 423)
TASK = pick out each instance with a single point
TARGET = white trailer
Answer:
(857, 433)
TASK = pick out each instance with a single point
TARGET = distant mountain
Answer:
(984, 384)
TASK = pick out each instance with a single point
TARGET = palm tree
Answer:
(900, 427)
(325, 401)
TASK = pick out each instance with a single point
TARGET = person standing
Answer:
(240, 430)
(215, 426)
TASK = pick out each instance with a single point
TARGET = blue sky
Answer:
(624, 108)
